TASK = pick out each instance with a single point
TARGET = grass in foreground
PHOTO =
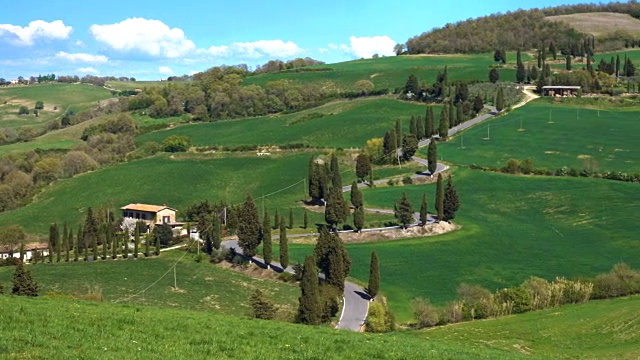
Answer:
(605, 329)
(513, 227)
(338, 124)
(201, 286)
(553, 136)
(31, 328)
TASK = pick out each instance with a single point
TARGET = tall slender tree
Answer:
(125, 245)
(500, 99)
(332, 258)
(115, 244)
(568, 63)
(398, 129)
(284, 246)
(77, 243)
(309, 309)
(440, 198)
(423, 210)
(136, 239)
(420, 128)
(451, 202)
(53, 234)
(276, 219)
(363, 167)
(358, 219)
(249, 227)
(58, 245)
(305, 219)
(290, 218)
(374, 276)
(147, 240)
(67, 238)
(104, 237)
(356, 195)
(404, 211)
(432, 157)
(443, 128)
(90, 232)
(430, 127)
(266, 238)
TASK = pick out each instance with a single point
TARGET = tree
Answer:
(409, 146)
(136, 239)
(332, 258)
(176, 143)
(568, 63)
(162, 234)
(336, 210)
(478, 104)
(390, 145)
(115, 244)
(12, 237)
(630, 69)
(125, 246)
(66, 239)
(77, 244)
(430, 127)
(500, 99)
(39, 105)
(358, 219)
(305, 219)
(249, 227)
(290, 218)
(90, 233)
(432, 157)
(521, 73)
(498, 56)
(412, 87)
(617, 66)
(23, 282)
(336, 177)
(147, 240)
(440, 199)
(276, 219)
(284, 246)
(443, 128)
(309, 309)
(54, 239)
(553, 50)
(23, 110)
(403, 211)
(374, 275)
(451, 202)
(398, 49)
(423, 210)
(363, 167)
(398, 132)
(261, 307)
(266, 238)
(356, 196)
(494, 75)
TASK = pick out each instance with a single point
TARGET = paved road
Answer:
(356, 301)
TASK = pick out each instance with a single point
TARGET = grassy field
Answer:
(608, 329)
(576, 137)
(600, 23)
(176, 181)
(57, 99)
(201, 286)
(392, 72)
(107, 331)
(513, 227)
(339, 124)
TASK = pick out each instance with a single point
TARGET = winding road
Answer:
(356, 300)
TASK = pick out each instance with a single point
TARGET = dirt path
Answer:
(529, 96)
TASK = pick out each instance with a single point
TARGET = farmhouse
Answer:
(560, 90)
(29, 249)
(151, 214)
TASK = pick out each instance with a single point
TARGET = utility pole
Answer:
(175, 279)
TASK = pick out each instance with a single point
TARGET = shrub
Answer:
(23, 282)
(218, 256)
(620, 281)
(453, 313)
(407, 180)
(176, 143)
(515, 300)
(261, 308)
(329, 301)
(379, 319)
(478, 301)
(286, 277)
(574, 292)
(297, 271)
(425, 313)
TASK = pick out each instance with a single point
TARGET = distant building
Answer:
(560, 90)
(29, 250)
(15, 81)
(151, 214)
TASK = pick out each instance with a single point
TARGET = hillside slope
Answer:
(600, 23)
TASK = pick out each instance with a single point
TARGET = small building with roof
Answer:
(151, 214)
(560, 90)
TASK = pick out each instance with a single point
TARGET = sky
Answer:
(154, 40)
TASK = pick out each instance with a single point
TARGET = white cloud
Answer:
(367, 46)
(26, 36)
(256, 49)
(165, 70)
(80, 57)
(87, 70)
(151, 37)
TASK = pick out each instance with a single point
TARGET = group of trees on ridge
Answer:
(521, 29)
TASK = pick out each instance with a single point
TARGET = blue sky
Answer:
(153, 40)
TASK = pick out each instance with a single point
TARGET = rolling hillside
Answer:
(600, 23)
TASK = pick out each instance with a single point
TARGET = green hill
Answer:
(602, 329)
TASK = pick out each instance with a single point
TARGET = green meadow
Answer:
(552, 135)
(201, 285)
(392, 72)
(343, 124)
(178, 181)
(512, 227)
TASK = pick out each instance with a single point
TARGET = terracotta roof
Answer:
(27, 247)
(146, 207)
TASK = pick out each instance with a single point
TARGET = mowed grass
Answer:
(339, 124)
(577, 137)
(77, 329)
(392, 72)
(512, 227)
(606, 329)
(179, 182)
(201, 286)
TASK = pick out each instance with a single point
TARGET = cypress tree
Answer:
(276, 220)
(553, 50)
(305, 219)
(440, 199)
(136, 239)
(146, 245)
(374, 276)
(105, 240)
(494, 75)
(23, 282)
(21, 256)
(398, 130)
(443, 128)
(452, 115)
(290, 218)
(403, 211)
(617, 66)
(356, 196)
(53, 234)
(500, 99)
(451, 201)
(371, 184)
(312, 182)
(309, 310)
(115, 243)
(432, 157)
(284, 246)
(363, 166)
(478, 104)
(568, 63)
(335, 209)
(358, 219)
(90, 233)
(332, 258)
(423, 210)
(86, 253)
(58, 244)
(266, 238)
(249, 227)
(77, 245)
(125, 247)
(413, 126)
(459, 114)
(65, 241)
(336, 177)
(521, 73)
(157, 247)
(431, 124)
(216, 238)
(420, 128)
